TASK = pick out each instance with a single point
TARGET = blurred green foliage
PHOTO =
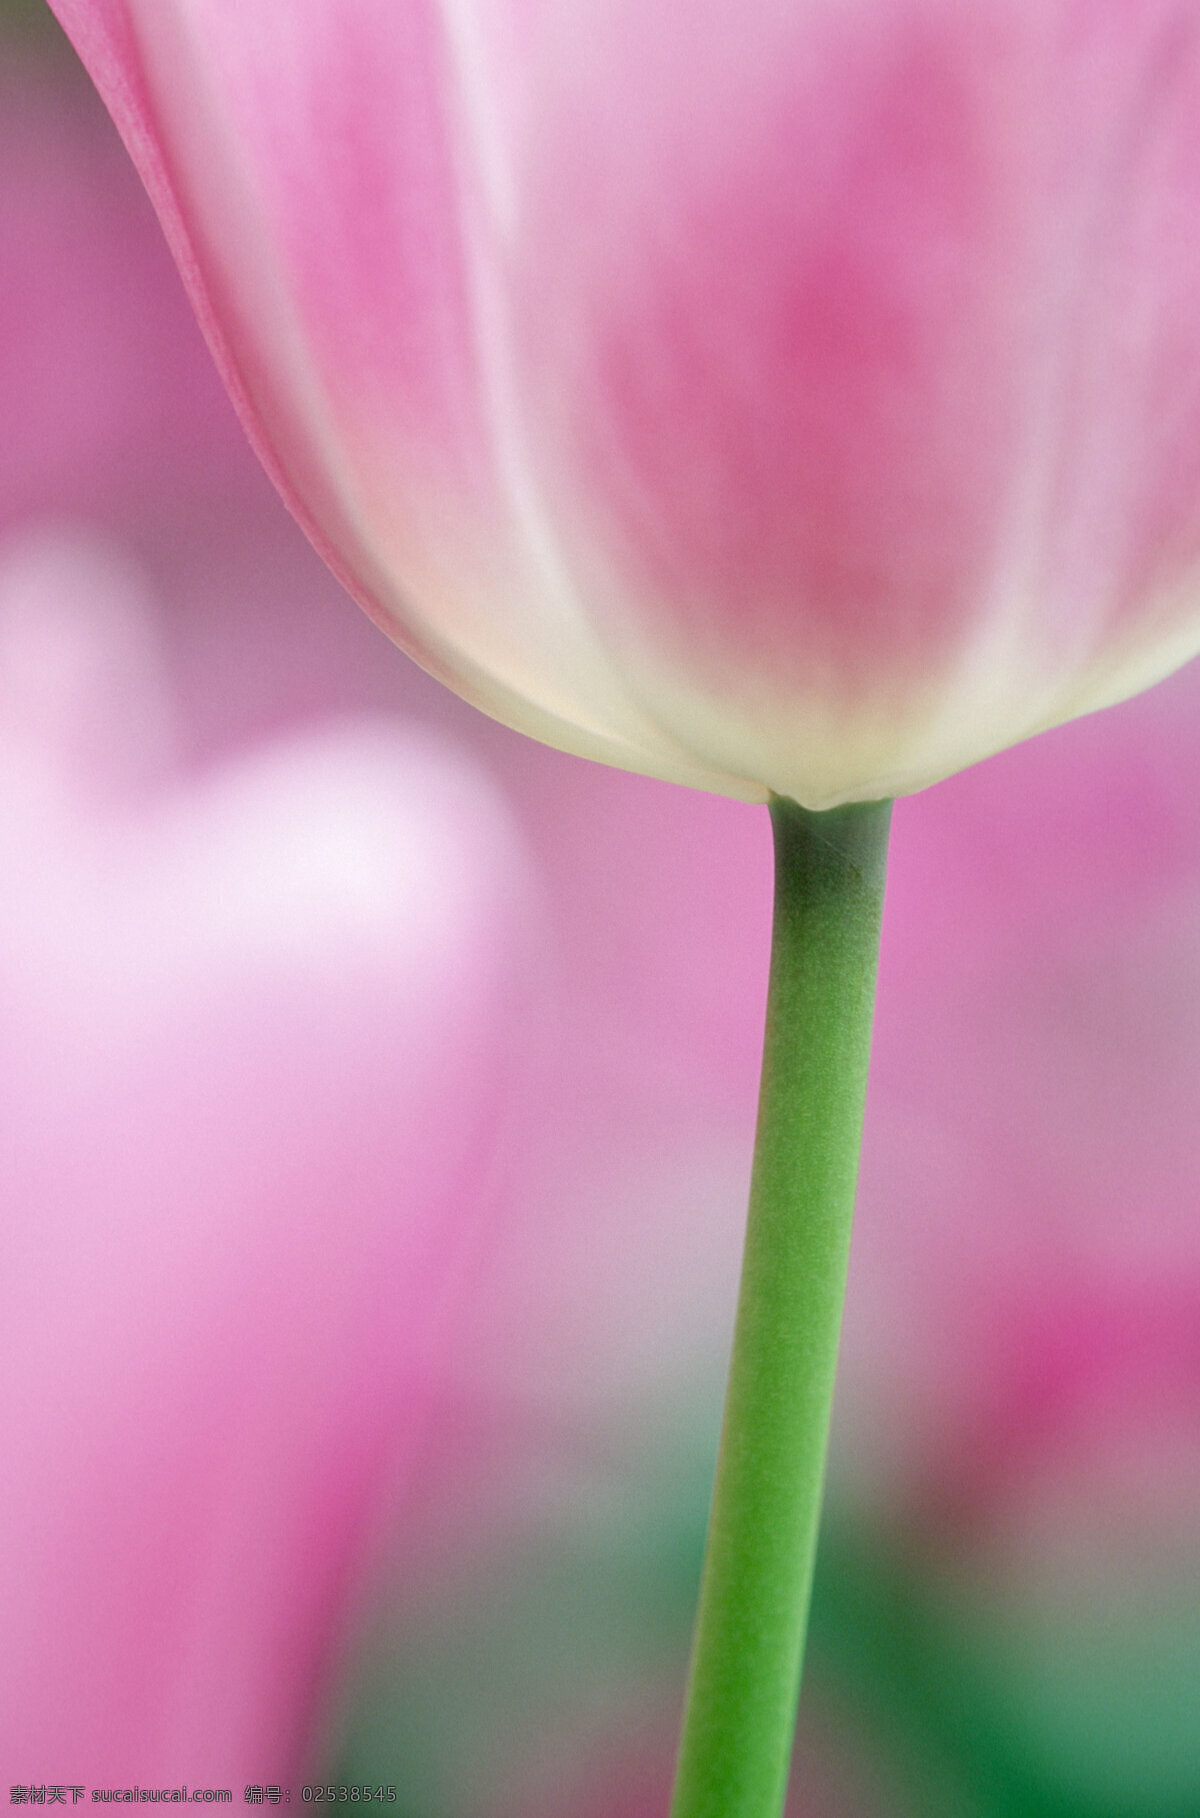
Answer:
(26, 16)
(964, 1710)
(1032, 1714)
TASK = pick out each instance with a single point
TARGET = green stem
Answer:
(762, 1536)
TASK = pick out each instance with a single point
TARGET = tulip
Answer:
(802, 402)
(248, 1088)
(781, 399)
(613, 1285)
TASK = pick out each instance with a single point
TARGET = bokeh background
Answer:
(377, 1099)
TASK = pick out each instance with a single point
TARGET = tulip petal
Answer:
(851, 390)
(322, 189)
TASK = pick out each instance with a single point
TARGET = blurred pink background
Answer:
(376, 1100)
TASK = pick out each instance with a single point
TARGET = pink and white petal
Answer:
(328, 178)
(818, 391)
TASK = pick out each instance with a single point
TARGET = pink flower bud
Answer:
(255, 1054)
(762, 395)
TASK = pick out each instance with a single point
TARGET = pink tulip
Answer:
(1007, 1143)
(770, 397)
(249, 1052)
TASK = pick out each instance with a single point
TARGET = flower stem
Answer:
(762, 1536)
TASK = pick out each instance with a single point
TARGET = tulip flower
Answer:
(248, 1088)
(793, 399)
(802, 402)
